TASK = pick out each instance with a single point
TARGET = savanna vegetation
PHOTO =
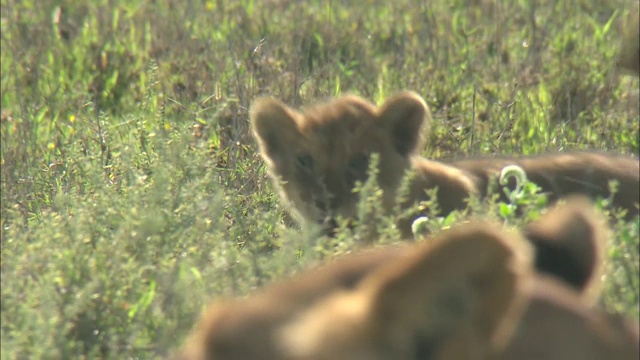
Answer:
(132, 193)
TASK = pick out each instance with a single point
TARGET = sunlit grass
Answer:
(132, 193)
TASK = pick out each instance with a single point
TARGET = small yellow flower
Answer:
(209, 5)
(51, 146)
(72, 118)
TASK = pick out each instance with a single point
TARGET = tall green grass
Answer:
(132, 193)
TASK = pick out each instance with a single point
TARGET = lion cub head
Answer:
(458, 297)
(316, 157)
(471, 292)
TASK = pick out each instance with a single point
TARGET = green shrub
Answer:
(132, 192)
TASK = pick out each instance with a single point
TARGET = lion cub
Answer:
(470, 293)
(315, 158)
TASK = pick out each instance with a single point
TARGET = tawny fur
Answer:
(315, 158)
(244, 327)
(471, 293)
(557, 325)
(569, 242)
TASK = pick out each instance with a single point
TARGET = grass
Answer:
(132, 193)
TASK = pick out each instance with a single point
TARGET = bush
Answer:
(132, 193)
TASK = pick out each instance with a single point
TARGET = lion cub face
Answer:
(316, 157)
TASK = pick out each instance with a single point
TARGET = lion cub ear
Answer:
(404, 116)
(459, 298)
(569, 241)
(274, 126)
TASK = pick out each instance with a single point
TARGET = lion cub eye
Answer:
(304, 162)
